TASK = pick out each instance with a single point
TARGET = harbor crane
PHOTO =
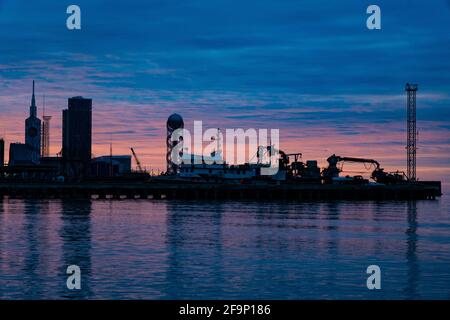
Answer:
(138, 163)
(332, 171)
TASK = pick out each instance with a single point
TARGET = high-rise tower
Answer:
(77, 136)
(411, 140)
(33, 131)
(2, 152)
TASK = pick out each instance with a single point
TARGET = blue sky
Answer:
(290, 46)
(311, 68)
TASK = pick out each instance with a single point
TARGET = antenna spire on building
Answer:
(33, 101)
(33, 109)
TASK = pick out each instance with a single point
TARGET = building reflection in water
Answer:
(2, 215)
(75, 234)
(34, 240)
(35, 252)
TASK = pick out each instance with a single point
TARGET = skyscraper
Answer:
(2, 152)
(77, 136)
(33, 131)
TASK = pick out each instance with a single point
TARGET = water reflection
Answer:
(194, 244)
(411, 253)
(75, 235)
(35, 241)
(223, 250)
(332, 212)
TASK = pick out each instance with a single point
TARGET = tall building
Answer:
(21, 154)
(33, 131)
(77, 136)
(2, 152)
(107, 166)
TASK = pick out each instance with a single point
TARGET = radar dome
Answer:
(175, 121)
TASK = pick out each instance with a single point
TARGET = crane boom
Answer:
(138, 163)
(333, 170)
(362, 160)
(378, 174)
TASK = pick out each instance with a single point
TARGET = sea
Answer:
(162, 249)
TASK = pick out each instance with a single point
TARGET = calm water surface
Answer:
(143, 249)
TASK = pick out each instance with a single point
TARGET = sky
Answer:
(309, 68)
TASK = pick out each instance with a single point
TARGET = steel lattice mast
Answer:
(45, 143)
(46, 136)
(411, 146)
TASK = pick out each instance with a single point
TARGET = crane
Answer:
(333, 171)
(378, 174)
(138, 163)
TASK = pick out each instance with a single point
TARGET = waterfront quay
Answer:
(189, 190)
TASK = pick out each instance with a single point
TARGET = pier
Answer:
(188, 190)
